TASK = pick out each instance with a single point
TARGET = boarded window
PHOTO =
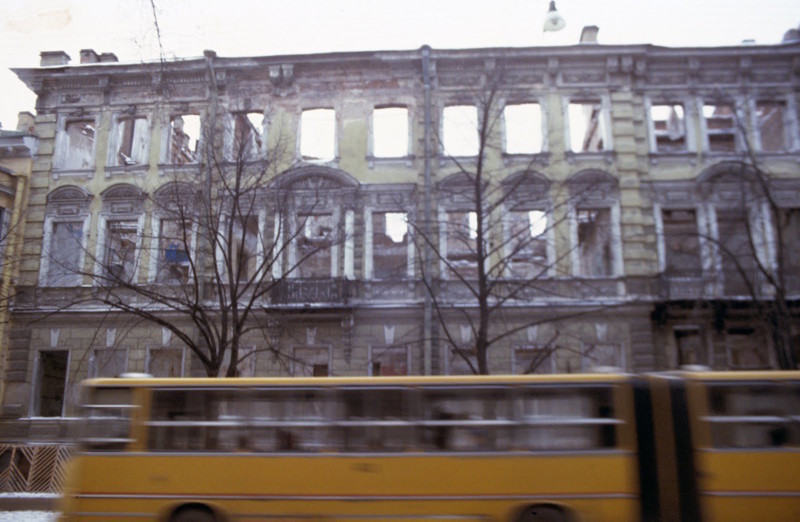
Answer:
(66, 245)
(720, 127)
(771, 121)
(318, 134)
(587, 126)
(174, 242)
(248, 135)
(523, 127)
(462, 246)
(681, 243)
(52, 382)
(594, 242)
(165, 362)
(460, 130)
(390, 132)
(120, 256)
(669, 127)
(389, 361)
(77, 145)
(314, 245)
(108, 362)
(184, 139)
(389, 245)
(132, 138)
(527, 243)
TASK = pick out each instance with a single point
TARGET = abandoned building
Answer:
(640, 209)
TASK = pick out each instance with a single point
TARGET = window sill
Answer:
(126, 169)
(607, 156)
(539, 158)
(673, 157)
(332, 162)
(406, 161)
(73, 173)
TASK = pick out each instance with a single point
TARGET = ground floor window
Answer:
(52, 381)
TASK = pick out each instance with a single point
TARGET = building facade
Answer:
(641, 209)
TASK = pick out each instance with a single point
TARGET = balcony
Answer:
(311, 291)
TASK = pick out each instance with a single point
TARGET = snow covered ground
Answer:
(28, 516)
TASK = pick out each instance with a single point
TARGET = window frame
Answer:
(543, 145)
(373, 135)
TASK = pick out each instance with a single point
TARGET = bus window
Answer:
(376, 419)
(566, 418)
(753, 415)
(292, 419)
(108, 414)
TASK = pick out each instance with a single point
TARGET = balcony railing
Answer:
(311, 291)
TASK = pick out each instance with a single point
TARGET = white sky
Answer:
(269, 27)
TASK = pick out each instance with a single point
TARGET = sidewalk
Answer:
(28, 501)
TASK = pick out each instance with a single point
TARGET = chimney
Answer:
(589, 34)
(49, 58)
(25, 122)
(108, 57)
(89, 56)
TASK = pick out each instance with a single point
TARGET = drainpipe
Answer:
(426, 259)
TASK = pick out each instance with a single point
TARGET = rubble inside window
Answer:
(390, 132)
(771, 122)
(314, 245)
(720, 127)
(460, 130)
(173, 250)
(78, 145)
(681, 242)
(462, 246)
(318, 134)
(527, 243)
(121, 238)
(184, 139)
(248, 135)
(389, 245)
(587, 126)
(669, 127)
(66, 245)
(523, 128)
(130, 142)
(594, 242)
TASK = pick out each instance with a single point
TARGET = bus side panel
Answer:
(684, 450)
(648, 478)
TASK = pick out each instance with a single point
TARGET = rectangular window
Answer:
(184, 139)
(244, 258)
(388, 361)
(462, 245)
(248, 135)
(314, 245)
(669, 127)
(460, 130)
(78, 146)
(460, 361)
(52, 382)
(587, 126)
(532, 360)
(527, 243)
(318, 134)
(690, 347)
(108, 362)
(789, 227)
(66, 245)
(120, 257)
(132, 138)
(311, 362)
(736, 251)
(720, 127)
(165, 362)
(747, 349)
(594, 242)
(771, 122)
(174, 242)
(681, 243)
(389, 245)
(390, 132)
(523, 127)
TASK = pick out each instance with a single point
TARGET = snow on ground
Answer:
(28, 516)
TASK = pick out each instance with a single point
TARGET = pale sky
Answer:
(271, 27)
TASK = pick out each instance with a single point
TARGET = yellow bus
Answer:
(555, 448)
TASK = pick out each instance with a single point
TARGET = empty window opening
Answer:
(461, 236)
(736, 250)
(52, 382)
(390, 132)
(747, 349)
(720, 127)
(121, 238)
(594, 242)
(174, 241)
(527, 243)
(523, 127)
(389, 244)
(314, 245)
(132, 138)
(460, 130)
(245, 248)
(690, 347)
(184, 138)
(771, 121)
(248, 135)
(587, 128)
(318, 134)
(681, 243)
(78, 143)
(66, 245)
(669, 127)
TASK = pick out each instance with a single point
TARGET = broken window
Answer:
(460, 130)
(461, 236)
(532, 360)
(523, 127)
(390, 132)
(120, 256)
(746, 349)
(311, 362)
(184, 139)
(244, 258)
(318, 134)
(314, 245)
(690, 347)
(389, 361)
(165, 362)
(681, 242)
(527, 243)
(720, 127)
(771, 122)
(130, 142)
(389, 245)
(594, 242)
(77, 146)
(248, 136)
(52, 374)
(174, 242)
(669, 127)
(736, 251)
(66, 246)
(587, 126)
(108, 362)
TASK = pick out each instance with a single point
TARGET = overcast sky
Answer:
(269, 27)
